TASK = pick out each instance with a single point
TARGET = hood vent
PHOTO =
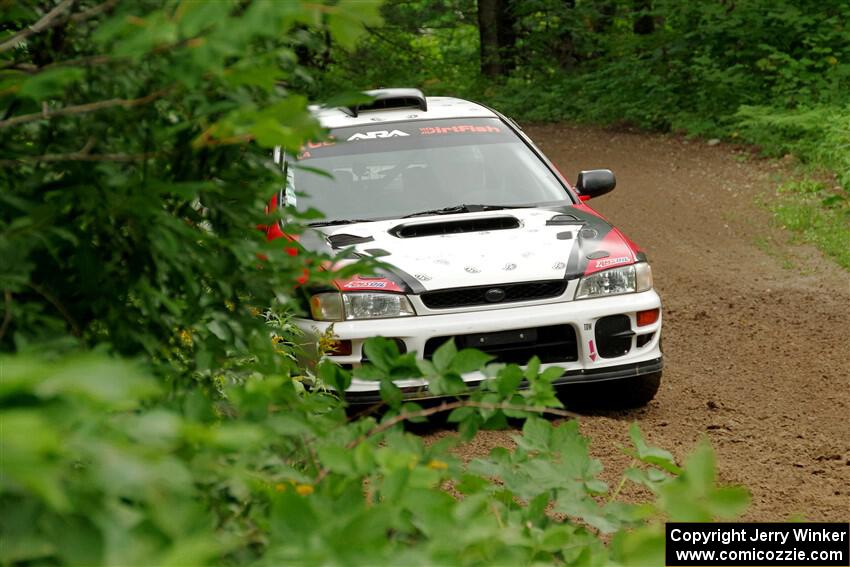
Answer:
(342, 240)
(454, 227)
(562, 219)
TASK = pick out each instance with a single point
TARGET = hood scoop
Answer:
(481, 224)
(562, 219)
(342, 240)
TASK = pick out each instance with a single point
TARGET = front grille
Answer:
(552, 344)
(467, 296)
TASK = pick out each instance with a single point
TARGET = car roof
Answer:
(438, 107)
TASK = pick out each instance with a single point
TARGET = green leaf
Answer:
(98, 379)
(220, 329)
(292, 517)
(369, 372)
(381, 352)
(346, 22)
(447, 384)
(587, 510)
(337, 459)
(652, 455)
(469, 360)
(79, 541)
(50, 83)
(729, 502)
(390, 393)
(444, 355)
(700, 468)
(460, 414)
(30, 445)
(556, 537)
(333, 375)
(509, 379)
(426, 367)
(469, 427)
(395, 483)
(533, 368)
(536, 435)
(644, 545)
(551, 374)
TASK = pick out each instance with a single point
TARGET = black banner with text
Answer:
(765, 544)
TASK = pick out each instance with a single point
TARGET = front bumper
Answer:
(643, 355)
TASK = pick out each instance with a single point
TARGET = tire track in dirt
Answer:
(756, 330)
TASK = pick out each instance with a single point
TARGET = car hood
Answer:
(482, 248)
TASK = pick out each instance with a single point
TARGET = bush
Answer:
(100, 467)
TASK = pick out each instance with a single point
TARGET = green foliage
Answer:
(700, 65)
(820, 214)
(100, 466)
(127, 217)
(820, 136)
(432, 43)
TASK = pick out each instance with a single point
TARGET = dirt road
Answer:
(756, 330)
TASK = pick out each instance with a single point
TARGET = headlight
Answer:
(376, 305)
(627, 279)
(347, 306)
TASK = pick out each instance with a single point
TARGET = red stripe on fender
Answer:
(632, 244)
(619, 253)
(587, 208)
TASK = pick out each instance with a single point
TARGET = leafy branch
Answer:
(54, 18)
(49, 20)
(94, 11)
(444, 407)
(82, 108)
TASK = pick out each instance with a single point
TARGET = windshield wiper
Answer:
(339, 221)
(464, 209)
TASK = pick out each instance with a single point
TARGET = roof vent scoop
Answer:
(390, 98)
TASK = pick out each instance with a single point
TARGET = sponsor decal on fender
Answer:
(359, 284)
(366, 284)
(606, 262)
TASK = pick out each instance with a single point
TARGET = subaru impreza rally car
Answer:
(486, 243)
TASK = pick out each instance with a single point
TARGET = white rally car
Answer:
(486, 241)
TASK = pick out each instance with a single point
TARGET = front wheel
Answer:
(627, 393)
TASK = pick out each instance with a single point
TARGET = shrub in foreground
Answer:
(100, 467)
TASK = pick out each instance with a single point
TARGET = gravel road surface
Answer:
(756, 329)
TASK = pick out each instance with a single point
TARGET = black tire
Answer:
(627, 393)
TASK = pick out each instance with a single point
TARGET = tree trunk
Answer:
(644, 23)
(497, 37)
(565, 48)
(605, 12)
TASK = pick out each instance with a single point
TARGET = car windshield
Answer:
(403, 168)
